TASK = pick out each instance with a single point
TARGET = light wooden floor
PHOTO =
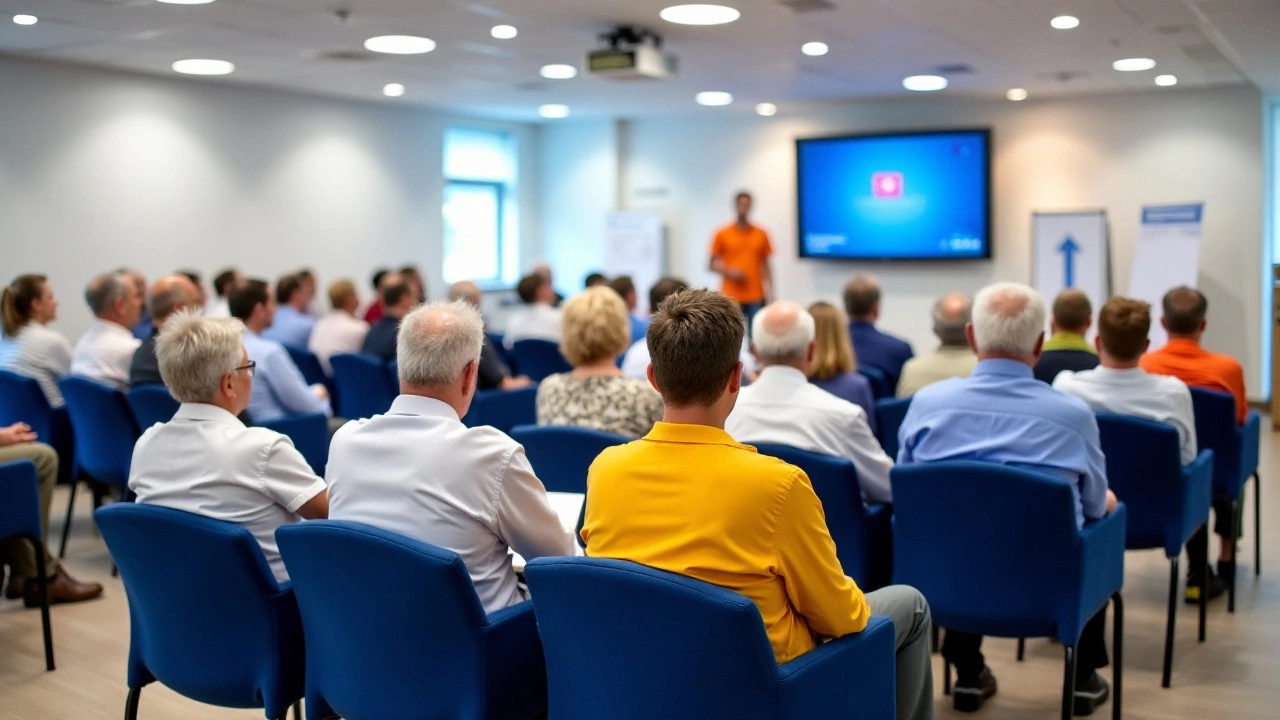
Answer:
(1233, 675)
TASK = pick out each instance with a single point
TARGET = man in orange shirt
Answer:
(740, 253)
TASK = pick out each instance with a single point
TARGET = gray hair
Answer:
(950, 315)
(195, 352)
(437, 341)
(103, 291)
(781, 339)
(1008, 319)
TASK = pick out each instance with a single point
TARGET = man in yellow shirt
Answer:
(688, 499)
(740, 253)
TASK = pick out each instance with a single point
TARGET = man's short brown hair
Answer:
(694, 342)
(340, 293)
(1123, 326)
(1072, 311)
(1185, 309)
(529, 286)
(861, 296)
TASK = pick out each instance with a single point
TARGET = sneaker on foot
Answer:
(969, 694)
(1091, 692)
(1226, 570)
(1216, 588)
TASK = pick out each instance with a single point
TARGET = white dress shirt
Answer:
(784, 408)
(43, 354)
(335, 334)
(279, 389)
(104, 353)
(419, 472)
(218, 308)
(1134, 391)
(207, 462)
(538, 321)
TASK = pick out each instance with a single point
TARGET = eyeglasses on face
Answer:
(251, 367)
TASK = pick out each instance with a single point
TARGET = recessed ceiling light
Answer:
(1166, 80)
(400, 44)
(504, 32)
(559, 72)
(186, 2)
(699, 14)
(925, 83)
(713, 98)
(393, 89)
(1133, 64)
(1065, 22)
(204, 66)
(814, 49)
(767, 109)
(26, 19)
(554, 111)
(1016, 94)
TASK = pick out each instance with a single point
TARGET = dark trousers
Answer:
(1198, 545)
(750, 310)
(964, 650)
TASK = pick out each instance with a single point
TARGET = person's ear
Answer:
(813, 351)
(653, 381)
(469, 375)
(1146, 345)
(735, 378)
(1039, 345)
(1097, 343)
(1164, 323)
(969, 337)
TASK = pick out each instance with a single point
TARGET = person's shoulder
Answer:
(1168, 384)
(1226, 361)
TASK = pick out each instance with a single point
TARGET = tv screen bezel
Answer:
(989, 245)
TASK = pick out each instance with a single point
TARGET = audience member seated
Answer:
(417, 286)
(202, 296)
(1066, 348)
(538, 319)
(687, 498)
(32, 349)
(594, 279)
(876, 349)
(781, 406)
(374, 312)
(834, 364)
(1118, 385)
(106, 349)
(279, 390)
(169, 295)
(635, 364)
(142, 328)
(397, 300)
(1185, 310)
(1002, 414)
(626, 288)
(418, 471)
(340, 331)
(17, 442)
(293, 322)
(493, 373)
(223, 282)
(543, 270)
(595, 394)
(307, 281)
(953, 358)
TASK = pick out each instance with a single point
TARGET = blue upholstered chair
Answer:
(880, 388)
(1235, 460)
(498, 340)
(207, 618)
(538, 359)
(863, 534)
(627, 642)
(151, 404)
(309, 365)
(20, 518)
(361, 384)
(418, 648)
(996, 551)
(503, 409)
(105, 433)
(310, 435)
(22, 400)
(1165, 502)
(890, 412)
(561, 455)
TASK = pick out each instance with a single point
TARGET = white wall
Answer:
(1116, 152)
(579, 167)
(100, 169)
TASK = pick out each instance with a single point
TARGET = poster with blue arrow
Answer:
(1071, 250)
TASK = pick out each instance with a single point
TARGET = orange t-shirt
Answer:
(745, 250)
(1197, 367)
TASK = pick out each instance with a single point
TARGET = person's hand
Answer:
(321, 392)
(515, 383)
(735, 274)
(1111, 502)
(16, 434)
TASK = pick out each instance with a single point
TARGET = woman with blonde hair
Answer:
(595, 394)
(27, 306)
(835, 365)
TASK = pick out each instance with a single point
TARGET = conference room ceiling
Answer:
(991, 45)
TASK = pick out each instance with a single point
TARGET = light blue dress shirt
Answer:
(1002, 414)
(290, 327)
(278, 387)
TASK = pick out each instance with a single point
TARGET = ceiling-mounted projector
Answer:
(632, 54)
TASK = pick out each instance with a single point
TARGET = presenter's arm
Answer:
(717, 264)
(766, 280)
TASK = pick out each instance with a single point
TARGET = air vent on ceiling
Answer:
(808, 6)
(345, 55)
(954, 69)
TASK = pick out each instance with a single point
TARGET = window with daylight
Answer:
(481, 242)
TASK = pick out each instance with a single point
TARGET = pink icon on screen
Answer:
(886, 184)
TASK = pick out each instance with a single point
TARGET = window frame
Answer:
(500, 191)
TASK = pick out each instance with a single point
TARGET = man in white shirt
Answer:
(340, 331)
(207, 462)
(782, 407)
(537, 320)
(280, 390)
(419, 472)
(106, 349)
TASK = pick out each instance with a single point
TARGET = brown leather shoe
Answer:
(62, 589)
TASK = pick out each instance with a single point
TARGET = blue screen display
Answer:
(905, 197)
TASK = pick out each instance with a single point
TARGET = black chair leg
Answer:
(1068, 682)
(42, 582)
(1233, 527)
(1022, 648)
(1117, 643)
(1172, 619)
(297, 710)
(1257, 525)
(1204, 596)
(66, 526)
(131, 705)
(934, 644)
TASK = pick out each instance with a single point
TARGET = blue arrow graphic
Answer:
(1069, 248)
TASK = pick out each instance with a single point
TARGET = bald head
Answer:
(1008, 322)
(951, 314)
(465, 290)
(782, 334)
(170, 294)
(1185, 309)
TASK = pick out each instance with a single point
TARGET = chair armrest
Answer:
(514, 667)
(1197, 496)
(1101, 569)
(851, 675)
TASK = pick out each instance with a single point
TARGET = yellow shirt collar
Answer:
(693, 435)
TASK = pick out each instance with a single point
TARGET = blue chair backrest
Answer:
(880, 388)
(890, 412)
(498, 342)
(691, 649)
(561, 455)
(105, 430)
(22, 400)
(426, 628)
(503, 409)
(1216, 430)
(151, 404)
(309, 365)
(310, 435)
(207, 618)
(362, 387)
(538, 359)
(19, 500)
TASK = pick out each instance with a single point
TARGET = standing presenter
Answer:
(740, 254)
